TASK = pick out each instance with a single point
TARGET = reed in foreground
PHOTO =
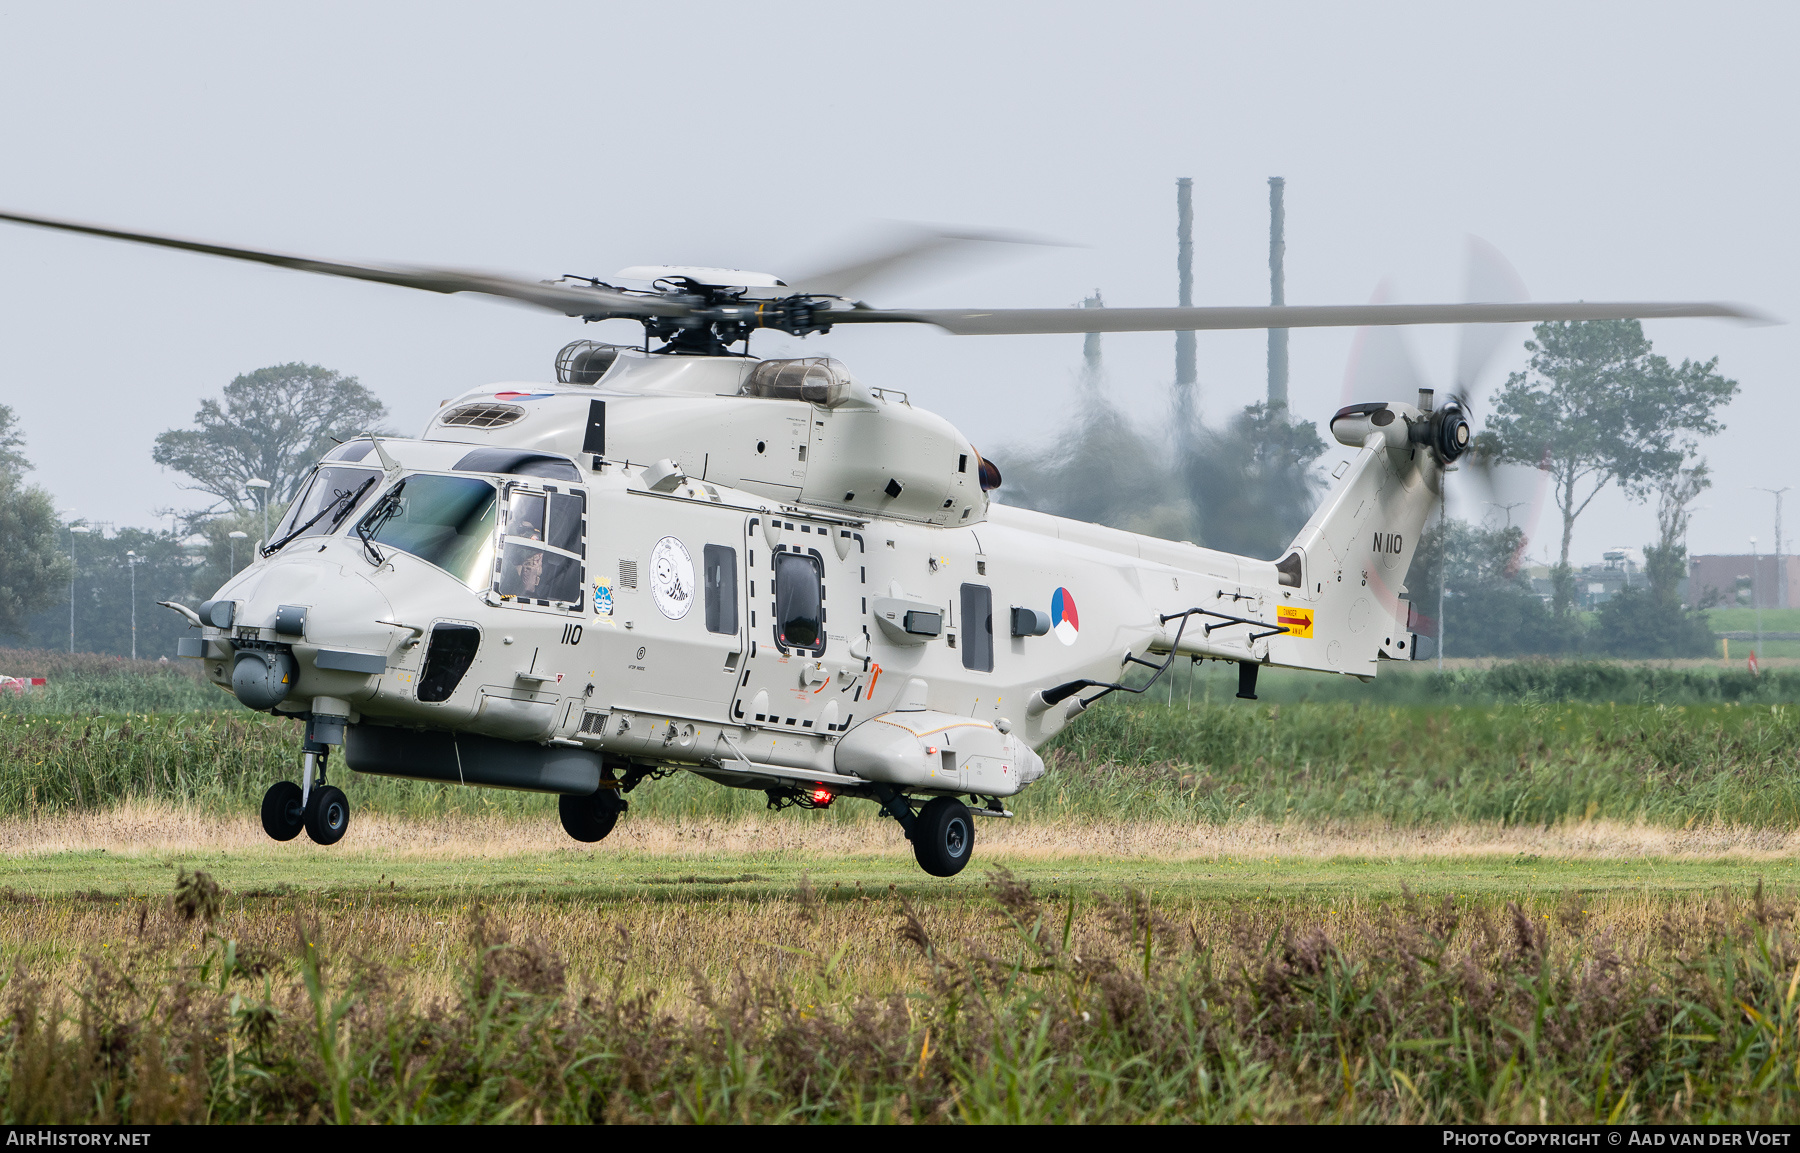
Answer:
(1077, 1007)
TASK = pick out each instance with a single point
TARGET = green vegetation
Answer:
(85, 684)
(1735, 620)
(1309, 761)
(972, 1003)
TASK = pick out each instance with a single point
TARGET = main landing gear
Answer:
(590, 818)
(320, 809)
(942, 832)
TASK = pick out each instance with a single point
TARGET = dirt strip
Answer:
(149, 829)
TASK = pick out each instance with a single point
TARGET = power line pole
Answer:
(1781, 579)
(1756, 594)
(1443, 576)
(1278, 337)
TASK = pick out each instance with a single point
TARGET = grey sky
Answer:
(1627, 151)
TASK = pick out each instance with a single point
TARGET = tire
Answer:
(282, 817)
(328, 815)
(944, 837)
(588, 819)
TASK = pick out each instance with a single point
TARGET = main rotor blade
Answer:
(568, 299)
(904, 251)
(1021, 321)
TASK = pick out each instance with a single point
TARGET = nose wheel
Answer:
(283, 814)
(328, 815)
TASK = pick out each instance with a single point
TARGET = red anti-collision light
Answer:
(822, 796)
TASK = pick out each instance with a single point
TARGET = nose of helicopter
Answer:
(326, 641)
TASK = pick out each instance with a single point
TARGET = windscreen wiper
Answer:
(368, 526)
(347, 499)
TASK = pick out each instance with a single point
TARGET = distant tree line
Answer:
(271, 424)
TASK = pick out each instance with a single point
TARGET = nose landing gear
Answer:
(320, 809)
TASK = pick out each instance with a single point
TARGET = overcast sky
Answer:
(1618, 151)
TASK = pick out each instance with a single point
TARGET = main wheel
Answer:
(328, 815)
(944, 837)
(281, 813)
(590, 818)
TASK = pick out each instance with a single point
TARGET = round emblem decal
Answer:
(1063, 621)
(672, 578)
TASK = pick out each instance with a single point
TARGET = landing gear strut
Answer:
(320, 809)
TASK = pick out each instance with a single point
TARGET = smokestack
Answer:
(1090, 347)
(1184, 279)
(1278, 348)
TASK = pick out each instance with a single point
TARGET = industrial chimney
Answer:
(1278, 337)
(1184, 280)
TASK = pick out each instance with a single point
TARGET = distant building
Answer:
(1596, 583)
(1733, 581)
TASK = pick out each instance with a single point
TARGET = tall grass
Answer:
(1076, 1007)
(1317, 762)
(87, 683)
(1509, 682)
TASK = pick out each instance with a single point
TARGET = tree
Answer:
(12, 442)
(1489, 608)
(1597, 406)
(33, 569)
(220, 552)
(1653, 622)
(1665, 562)
(1252, 483)
(273, 424)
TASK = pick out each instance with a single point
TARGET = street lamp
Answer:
(83, 530)
(235, 537)
(262, 485)
(132, 560)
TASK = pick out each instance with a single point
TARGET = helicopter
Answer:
(766, 572)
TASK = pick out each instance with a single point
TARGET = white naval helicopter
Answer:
(766, 572)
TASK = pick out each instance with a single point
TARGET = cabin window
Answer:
(978, 628)
(721, 589)
(542, 546)
(799, 602)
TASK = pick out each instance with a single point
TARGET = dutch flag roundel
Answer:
(1063, 620)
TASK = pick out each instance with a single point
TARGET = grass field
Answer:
(1487, 898)
(759, 970)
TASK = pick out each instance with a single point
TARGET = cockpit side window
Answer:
(542, 546)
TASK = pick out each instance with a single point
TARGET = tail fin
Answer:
(1344, 596)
